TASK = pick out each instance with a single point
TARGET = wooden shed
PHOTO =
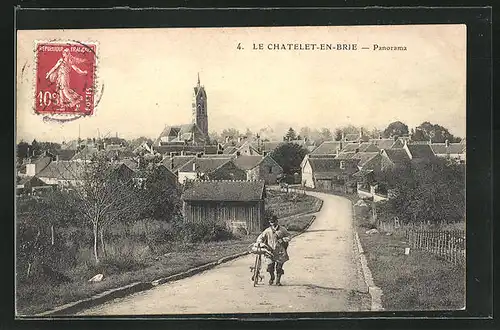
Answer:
(231, 203)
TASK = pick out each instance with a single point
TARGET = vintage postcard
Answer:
(182, 171)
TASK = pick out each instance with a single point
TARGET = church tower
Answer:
(200, 116)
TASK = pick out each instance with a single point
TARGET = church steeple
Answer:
(200, 116)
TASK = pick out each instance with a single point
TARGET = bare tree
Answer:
(102, 192)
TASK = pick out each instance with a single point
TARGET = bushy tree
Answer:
(434, 132)
(289, 156)
(161, 195)
(432, 191)
(395, 129)
(290, 135)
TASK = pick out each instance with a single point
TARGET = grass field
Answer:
(418, 281)
(132, 260)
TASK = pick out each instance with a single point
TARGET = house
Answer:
(204, 168)
(391, 158)
(359, 147)
(259, 168)
(34, 166)
(30, 184)
(181, 148)
(186, 133)
(419, 152)
(400, 141)
(455, 151)
(328, 148)
(175, 162)
(62, 173)
(327, 172)
(229, 203)
(71, 173)
(382, 143)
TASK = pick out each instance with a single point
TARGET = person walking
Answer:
(277, 238)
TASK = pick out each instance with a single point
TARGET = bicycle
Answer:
(258, 249)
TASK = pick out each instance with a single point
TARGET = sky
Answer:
(148, 77)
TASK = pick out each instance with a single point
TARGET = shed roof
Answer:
(237, 191)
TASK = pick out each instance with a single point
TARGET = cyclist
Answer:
(277, 237)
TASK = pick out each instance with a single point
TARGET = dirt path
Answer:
(323, 275)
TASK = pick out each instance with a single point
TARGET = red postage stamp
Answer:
(65, 78)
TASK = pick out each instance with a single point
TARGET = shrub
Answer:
(202, 232)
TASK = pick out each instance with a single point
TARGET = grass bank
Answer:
(418, 281)
(134, 256)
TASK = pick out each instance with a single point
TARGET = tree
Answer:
(35, 149)
(248, 134)
(338, 134)
(305, 132)
(290, 135)
(396, 129)
(289, 156)
(326, 135)
(139, 141)
(429, 192)
(103, 195)
(232, 133)
(162, 196)
(374, 133)
(22, 150)
(434, 132)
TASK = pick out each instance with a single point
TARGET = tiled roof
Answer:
(323, 165)
(247, 162)
(382, 143)
(420, 151)
(397, 156)
(130, 163)
(204, 165)
(178, 162)
(327, 148)
(230, 150)
(168, 148)
(360, 147)
(63, 170)
(65, 154)
(363, 157)
(452, 148)
(271, 145)
(237, 191)
(34, 181)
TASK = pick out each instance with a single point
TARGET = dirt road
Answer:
(323, 275)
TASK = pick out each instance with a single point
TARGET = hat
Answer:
(274, 219)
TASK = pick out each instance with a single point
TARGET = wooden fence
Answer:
(449, 245)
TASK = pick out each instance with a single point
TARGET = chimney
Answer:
(227, 139)
(337, 151)
(172, 163)
(194, 167)
(239, 138)
(343, 136)
(57, 156)
(447, 143)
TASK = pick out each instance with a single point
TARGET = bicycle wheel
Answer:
(256, 270)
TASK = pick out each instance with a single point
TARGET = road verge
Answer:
(101, 298)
